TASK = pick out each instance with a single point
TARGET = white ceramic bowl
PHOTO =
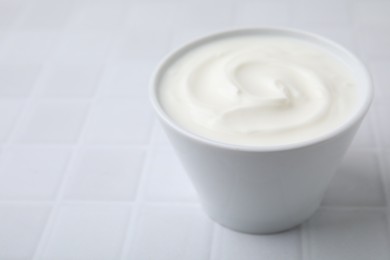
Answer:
(263, 189)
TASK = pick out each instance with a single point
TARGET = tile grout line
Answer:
(60, 191)
(378, 139)
(36, 88)
(144, 176)
(29, 102)
(71, 162)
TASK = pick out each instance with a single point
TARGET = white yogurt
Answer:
(258, 90)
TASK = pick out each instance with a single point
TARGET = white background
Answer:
(85, 171)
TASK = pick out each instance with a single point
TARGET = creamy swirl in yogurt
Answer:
(258, 90)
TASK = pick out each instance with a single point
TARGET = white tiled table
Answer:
(85, 170)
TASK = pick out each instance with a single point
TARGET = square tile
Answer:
(140, 43)
(127, 79)
(204, 15)
(357, 234)
(97, 17)
(53, 122)
(144, 15)
(120, 121)
(71, 80)
(87, 232)
(358, 182)
(234, 245)
(105, 173)
(10, 11)
(32, 173)
(171, 233)
(21, 228)
(84, 47)
(46, 15)
(10, 110)
(29, 47)
(323, 12)
(167, 180)
(373, 12)
(265, 13)
(18, 80)
(373, 42)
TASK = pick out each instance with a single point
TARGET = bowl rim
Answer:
(359, 114)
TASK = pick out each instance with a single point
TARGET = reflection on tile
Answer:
(32, 173)
(357, 183)
(170, 233)
(87, 232)
(20, 230)
(105, 173)
(234, 245)
(357, 234)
